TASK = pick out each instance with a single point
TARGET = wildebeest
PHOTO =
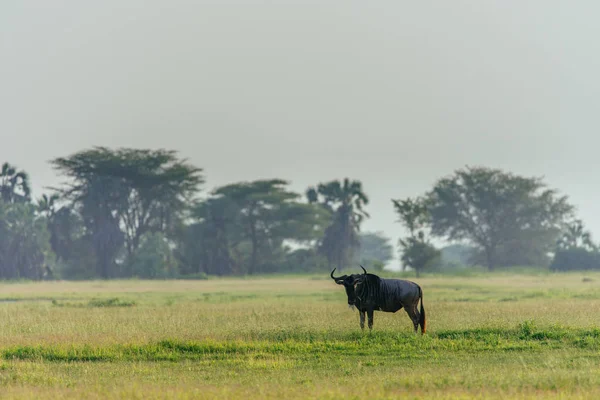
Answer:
(369, 292)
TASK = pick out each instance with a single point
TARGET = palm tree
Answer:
(14, 185)
(575, 236)
(25, 244)
(345, 200)
(46, 205)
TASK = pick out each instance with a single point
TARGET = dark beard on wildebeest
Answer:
(369, 293)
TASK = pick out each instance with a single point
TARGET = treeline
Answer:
(501, 220)
(138, 213)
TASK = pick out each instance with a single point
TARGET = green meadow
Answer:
(293, 337)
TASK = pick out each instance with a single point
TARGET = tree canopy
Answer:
(123, 194)
(417, 252)
(511, 219)
(268, 215)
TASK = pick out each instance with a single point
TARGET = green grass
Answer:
(111, 302)
(526, 337)
(489, 336)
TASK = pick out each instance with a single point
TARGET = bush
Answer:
(154, 259)
(576, 258)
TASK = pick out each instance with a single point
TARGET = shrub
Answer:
(576, 258)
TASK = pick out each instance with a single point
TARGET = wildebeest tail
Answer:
(422, 319)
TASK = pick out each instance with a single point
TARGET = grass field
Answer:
(502, 336)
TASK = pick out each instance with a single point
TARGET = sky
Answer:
(396, 94)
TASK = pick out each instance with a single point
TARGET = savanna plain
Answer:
(287, 337)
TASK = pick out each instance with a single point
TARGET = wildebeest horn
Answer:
(363, 269)
(333, 277)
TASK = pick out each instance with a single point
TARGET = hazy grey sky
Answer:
(394, 93)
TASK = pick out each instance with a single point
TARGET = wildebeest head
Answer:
(350, 282)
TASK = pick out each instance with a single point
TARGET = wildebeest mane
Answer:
(369, 288)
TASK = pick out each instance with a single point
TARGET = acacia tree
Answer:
(345, 201)
(123, 194)
(268, 215)
(245, 228)
(511, 219)
(417, 252)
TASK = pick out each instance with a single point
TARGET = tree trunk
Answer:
(102, 263)
(254, 257)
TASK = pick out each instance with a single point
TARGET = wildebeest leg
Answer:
(413, 313)
(362, 319)
(370, 316)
